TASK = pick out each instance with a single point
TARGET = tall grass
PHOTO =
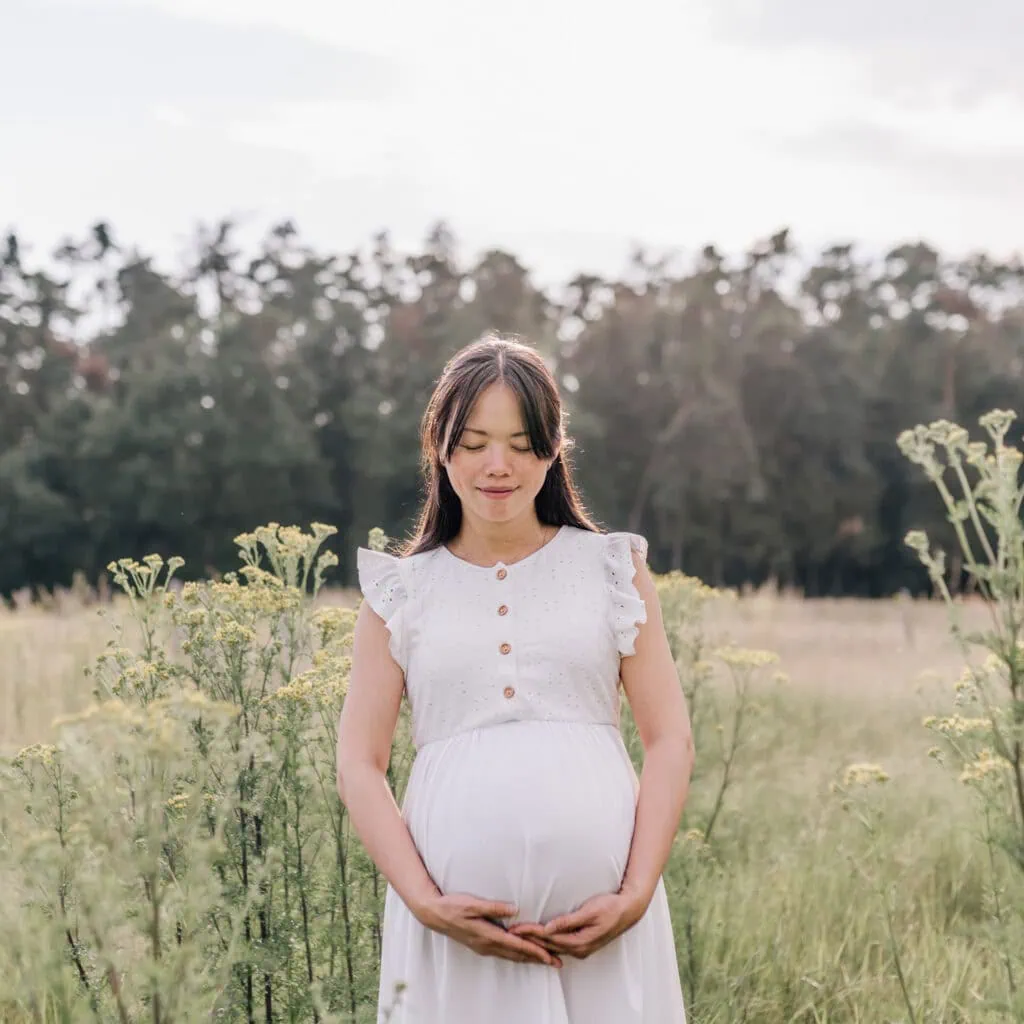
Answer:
(172, 849)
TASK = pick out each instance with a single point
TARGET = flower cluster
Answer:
(864, 775)
(986, 766)
(40, 753)
(956, 725)
(741, 657)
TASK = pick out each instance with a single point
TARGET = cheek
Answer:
(457, 474)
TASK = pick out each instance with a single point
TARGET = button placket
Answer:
(505, 646)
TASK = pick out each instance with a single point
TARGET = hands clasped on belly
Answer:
(473, 923)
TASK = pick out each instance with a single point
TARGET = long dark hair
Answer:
(504, 358)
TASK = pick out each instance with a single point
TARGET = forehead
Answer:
(496, 409)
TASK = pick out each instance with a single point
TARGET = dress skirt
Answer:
(539, 814)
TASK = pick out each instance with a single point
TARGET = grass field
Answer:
(784, 917)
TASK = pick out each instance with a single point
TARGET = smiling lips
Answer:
(496, 493)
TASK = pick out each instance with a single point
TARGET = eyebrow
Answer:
(474, 430)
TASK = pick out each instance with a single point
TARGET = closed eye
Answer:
(480, 448)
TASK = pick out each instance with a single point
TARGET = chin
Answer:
(497, 515)
(494, 513)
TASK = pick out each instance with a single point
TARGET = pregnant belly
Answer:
(539, 814)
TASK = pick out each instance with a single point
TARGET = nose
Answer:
(497, 460)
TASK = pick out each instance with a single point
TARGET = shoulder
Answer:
(621, 559)
(632, 545)
(381, 570)
(376, 567)
(626, 561)
(614, 545)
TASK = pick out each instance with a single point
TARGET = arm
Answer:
(652, 686)
(365, 734)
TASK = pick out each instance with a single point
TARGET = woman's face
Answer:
(493, 469)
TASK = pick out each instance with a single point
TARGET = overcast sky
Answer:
(563, 129)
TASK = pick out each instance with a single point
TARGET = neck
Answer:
(485, 542)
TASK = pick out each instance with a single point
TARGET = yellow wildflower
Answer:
(742, 657)
(43, 753)
(864, 775)
(234, 633)
(984, 765)
(956, 725)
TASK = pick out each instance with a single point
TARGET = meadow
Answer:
(804, 904)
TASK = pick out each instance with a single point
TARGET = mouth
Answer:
(497, 493)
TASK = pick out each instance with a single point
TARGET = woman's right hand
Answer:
(470, 921)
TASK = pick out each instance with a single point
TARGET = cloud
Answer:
(987, 172)
(873, 22)
(64, 59)
(155, 184)
(915, 51)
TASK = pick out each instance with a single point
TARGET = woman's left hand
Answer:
(586, 930)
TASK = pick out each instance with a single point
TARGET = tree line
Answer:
(740, 412)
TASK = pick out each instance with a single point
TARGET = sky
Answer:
(565, 130)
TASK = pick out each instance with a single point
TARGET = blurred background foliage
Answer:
(742, 413)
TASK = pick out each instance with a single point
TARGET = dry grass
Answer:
(885, 658)
(787, 930)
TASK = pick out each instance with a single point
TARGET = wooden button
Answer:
(501, 573)
(505, 648)
(503, 610)
(509, 692)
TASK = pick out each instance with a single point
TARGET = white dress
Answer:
(521, 789)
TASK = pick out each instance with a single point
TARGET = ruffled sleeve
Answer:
(628, 610)
(383, 585)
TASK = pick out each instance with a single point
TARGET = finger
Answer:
(575, 939)
(569, 922)
(534, 934)
(535, 951)
(490, 908)
(520, 958)
(554, 944)
(554, 948)
(538, 956)
(505, 940)
(583, 943)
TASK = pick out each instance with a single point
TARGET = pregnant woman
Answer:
(525, 866)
